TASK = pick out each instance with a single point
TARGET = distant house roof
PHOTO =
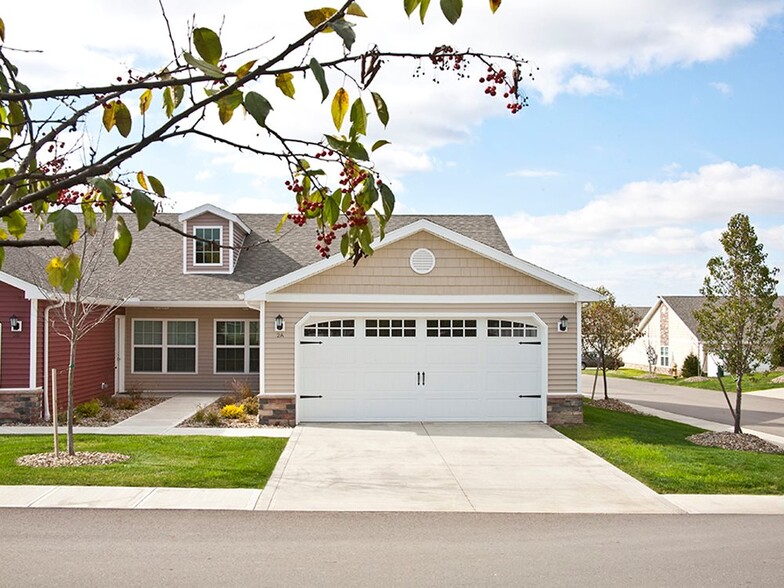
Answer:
(640, 311)
(153, 271)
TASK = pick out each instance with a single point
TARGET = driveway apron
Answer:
(482, 467)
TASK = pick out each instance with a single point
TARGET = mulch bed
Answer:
(248, 421)
(81, 458)
(111, 416)
(613, 404)
(733, 441)
(696, 379)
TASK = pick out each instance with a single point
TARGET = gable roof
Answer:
(212, 209)
(580, 292)
(153, 271)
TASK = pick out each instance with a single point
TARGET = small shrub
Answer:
(89, 409)
(109, 402)
(227, 399)
(691, 366)
(777, 353)
(232, 411)
(242, 388)
(106, 415)
(126, 403)
(251, 405)
(212, 418)
(199, 415)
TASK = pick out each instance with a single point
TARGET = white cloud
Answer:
(583, 85)
(721, 88)
(589, 188)
(534, 173)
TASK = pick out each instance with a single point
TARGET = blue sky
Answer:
(650, 124)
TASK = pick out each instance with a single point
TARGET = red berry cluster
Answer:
(494, 79)
(445, 57)
(298, 219)
(324, 241)
(351, 176)
(294, 186)
(324, 153)
(356, 216)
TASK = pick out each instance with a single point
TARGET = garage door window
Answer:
(451, 328)
(500, 328)
(390, 328)
(339, 328)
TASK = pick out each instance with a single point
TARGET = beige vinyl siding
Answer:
(205, 378)
(207, 220)
(239, 239)
(279, 350)
(457, 271)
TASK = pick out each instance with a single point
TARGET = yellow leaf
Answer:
(339, 107)
(285, 83)
(145, 100)
(318, 16)
(494, 4)
(355, 10)
(108, 116)
(142, 180)
(245, 69)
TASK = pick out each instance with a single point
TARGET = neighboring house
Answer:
(670, 327)
(441, 323)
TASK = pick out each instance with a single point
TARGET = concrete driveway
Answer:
(483, 467)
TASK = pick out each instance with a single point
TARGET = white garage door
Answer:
(435, 368)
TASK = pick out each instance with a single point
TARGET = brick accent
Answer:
(277, 409)
(21, 406)
(664, 326)
(565, 410)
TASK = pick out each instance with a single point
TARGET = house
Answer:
(670, 328)
(441, 323)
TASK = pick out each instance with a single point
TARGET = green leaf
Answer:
(72, 272)
(318, 16)
(66, 226)
(245, 69)
(318, 73)
(89, 218)
(157, 186)
(344, 243)
(122, 118)
(355, 10)
(144, 208)
(282, 222)
(258, 107)
(410, 5)
(5, 152)
(168, 102)
(381, 108)
(208, 45)
(382, 223)
(331, 211)
(227, 105)
(2, 257)
(423, 10)
(388, 200)
(358, 151)
(365, 239)
(346, 31)
(284, 81)
(206, 68)
(379, 144)
(17, 223)
(358, 118)
(108, 116)
(179, 94)
(494, 5)
(346, 202)
(339, 107)
(108, 193)
(337, 144)
(145, 100)
(122, 240)
(452, 9)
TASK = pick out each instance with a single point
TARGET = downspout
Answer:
(47, 414)
(262, 342)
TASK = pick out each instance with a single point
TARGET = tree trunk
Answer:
(738, 396)
(71, 370)
(604, 377)
(595, 379)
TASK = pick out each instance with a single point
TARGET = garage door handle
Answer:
(530, 342)
(530, 396)
(419, 375)
(310, 342)
(310, 396)
(423, 378)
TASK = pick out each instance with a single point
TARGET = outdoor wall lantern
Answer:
(280, 324)
(563, 324)
(16, 324)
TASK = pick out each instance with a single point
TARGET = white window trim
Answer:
(164, 346)
(220, 248)
(663, 356)
(246, 346)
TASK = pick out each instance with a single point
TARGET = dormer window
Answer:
(208, 251)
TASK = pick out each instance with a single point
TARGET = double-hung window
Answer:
(664, 357)
(237, 347)
(207, 249)
(164, 346)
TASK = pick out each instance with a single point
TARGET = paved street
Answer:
(165, 548)
(761, 413)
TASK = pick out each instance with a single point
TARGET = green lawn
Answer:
(655, 451)
(750, 383)
(174, 461)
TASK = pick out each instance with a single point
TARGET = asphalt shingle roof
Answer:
(154, 270)
(684, 307)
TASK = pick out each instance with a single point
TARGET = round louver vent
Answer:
(423, 261)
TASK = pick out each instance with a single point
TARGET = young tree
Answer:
(652, 356)
(44, 134)
(607, 330)
(737, 322)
